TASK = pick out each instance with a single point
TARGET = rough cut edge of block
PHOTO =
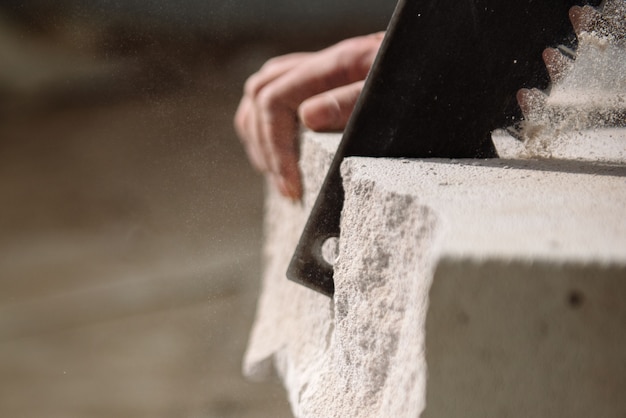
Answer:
(333, 356)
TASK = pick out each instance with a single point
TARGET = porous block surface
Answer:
(463, 288)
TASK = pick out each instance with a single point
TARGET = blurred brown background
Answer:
(130, 222)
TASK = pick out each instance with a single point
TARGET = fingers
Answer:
(331, 110)
(247, 123)
(267, 117)
(271, 70)
(339, 65)
(277, 138)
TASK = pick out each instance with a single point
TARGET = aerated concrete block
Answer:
(469, 288)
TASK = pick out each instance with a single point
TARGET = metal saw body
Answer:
(445, 77)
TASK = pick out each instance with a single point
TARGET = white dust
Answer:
(590, 95)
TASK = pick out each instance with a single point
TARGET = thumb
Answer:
(330, 111)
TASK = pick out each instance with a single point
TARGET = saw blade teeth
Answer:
(585, 19)
(557, 63)
(614, 16)
(588, 85)
(610, 21)
(559, 60)
(531, 101)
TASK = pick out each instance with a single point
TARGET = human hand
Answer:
(318, 88)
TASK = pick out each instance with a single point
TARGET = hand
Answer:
(319, 88)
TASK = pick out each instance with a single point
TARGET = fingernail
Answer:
(288, 189)
(280, 185)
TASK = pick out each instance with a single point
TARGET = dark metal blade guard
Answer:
(446, 75)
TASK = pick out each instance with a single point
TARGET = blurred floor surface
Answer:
(130, 236)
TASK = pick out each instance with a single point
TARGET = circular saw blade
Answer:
(588, 84)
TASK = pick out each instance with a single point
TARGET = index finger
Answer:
(341, 64)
